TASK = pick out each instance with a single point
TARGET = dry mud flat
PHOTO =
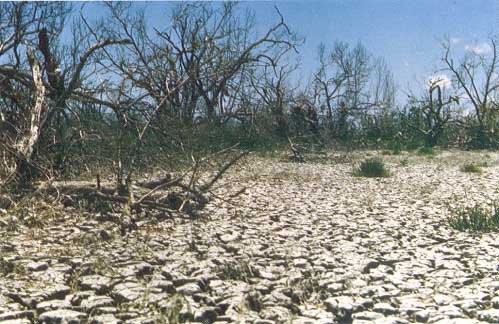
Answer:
(305, 243)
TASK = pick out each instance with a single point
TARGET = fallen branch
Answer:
(184, 193)
(221, 172)
(161, 184)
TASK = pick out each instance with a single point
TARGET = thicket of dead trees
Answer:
(123, 97)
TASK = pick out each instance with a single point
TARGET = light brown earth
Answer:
(305, 243)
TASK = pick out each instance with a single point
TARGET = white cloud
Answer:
(479, 49)
(439, 79)
(455, 40)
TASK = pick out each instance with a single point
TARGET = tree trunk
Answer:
(26, 143)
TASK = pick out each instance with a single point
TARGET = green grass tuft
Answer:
(372, 168)
(475, 219)
(471, 168)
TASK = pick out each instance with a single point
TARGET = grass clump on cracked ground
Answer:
(372, 168)
(471, 168)
(478, 218)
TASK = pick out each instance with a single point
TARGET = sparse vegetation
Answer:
(173, 314)
(372, 168)
(478, 218)
(471, 168)
(485, 164)
(73, 281)
(11, 267)
(426, 150)
(240, 271)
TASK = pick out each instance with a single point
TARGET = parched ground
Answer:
(305, 243)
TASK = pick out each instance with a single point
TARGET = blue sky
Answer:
(406, 33)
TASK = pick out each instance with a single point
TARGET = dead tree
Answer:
(331, 76)
(23, 88)
(351, 78)
(436, 112)
(36, 93)
(194, 67)
(24, 145)
(271, 84)
(214, 46)
(476, 76)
